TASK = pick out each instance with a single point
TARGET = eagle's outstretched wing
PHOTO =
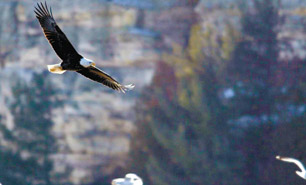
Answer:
(53, 33)
(98, 75)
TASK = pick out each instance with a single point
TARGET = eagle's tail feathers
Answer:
(56, 68)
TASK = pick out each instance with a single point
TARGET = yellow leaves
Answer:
(188, 70)
(205, 48)
(183, 98)
(187, 60)
(190, 93)
(179, 60)
(176, 57)
(229, 39)
(195, 44)
(177, 50)
(196, 93)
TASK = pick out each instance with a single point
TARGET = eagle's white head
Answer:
(87, 62)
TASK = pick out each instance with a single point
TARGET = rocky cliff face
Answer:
(93, 127)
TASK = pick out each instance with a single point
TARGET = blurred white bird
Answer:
(301, 173)
(129, 179)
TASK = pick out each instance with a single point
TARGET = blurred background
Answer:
(220, 91)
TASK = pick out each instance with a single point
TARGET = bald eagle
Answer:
(71, 59)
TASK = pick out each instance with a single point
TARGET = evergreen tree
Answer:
(255, 60)
(31, 134)
(252, 70)
(14, 169)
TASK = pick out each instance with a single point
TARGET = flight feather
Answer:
(53, 33)
(98, 75)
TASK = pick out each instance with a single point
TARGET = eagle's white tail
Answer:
(125, 88)
(56, 68)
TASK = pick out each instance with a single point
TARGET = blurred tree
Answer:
(255, 60)
(183, 133)
(290, 78)
(32, 134)
(257, 91)
(13, 168)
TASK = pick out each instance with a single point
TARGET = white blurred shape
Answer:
(229, 93)
(129, 179)
(301, 173)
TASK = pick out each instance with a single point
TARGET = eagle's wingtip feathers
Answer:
(42, 10)
(124, 88)
(129, 87)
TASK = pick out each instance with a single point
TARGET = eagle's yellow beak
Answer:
(93, 64)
